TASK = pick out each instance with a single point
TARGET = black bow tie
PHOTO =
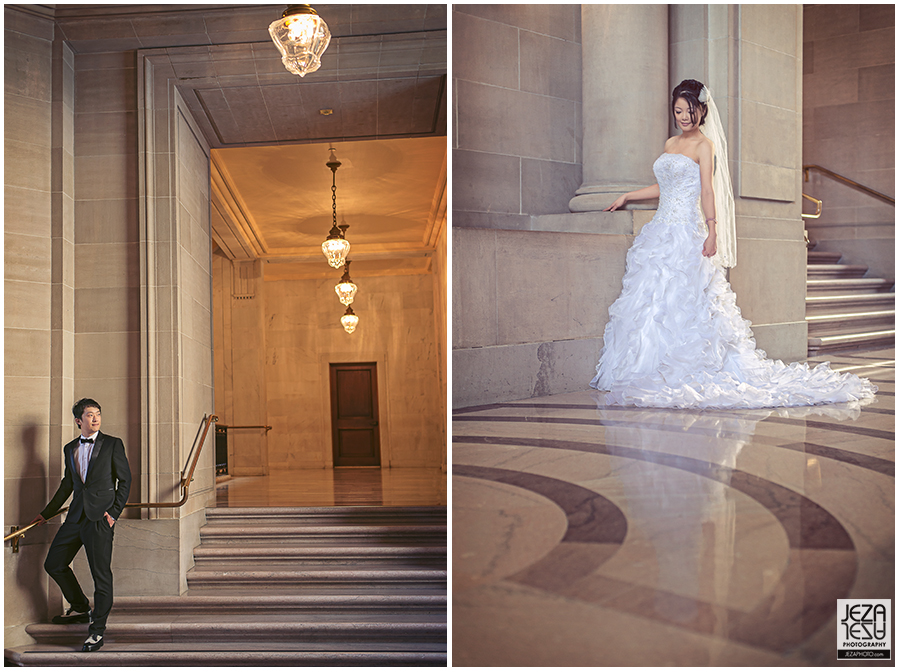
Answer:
(87, 440)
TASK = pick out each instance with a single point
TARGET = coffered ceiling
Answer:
(379, 98)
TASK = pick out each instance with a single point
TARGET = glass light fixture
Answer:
(349, 320)
(301, 37)
(345, 289)
(335, 248)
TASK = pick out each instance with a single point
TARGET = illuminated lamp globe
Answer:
(301, 37)
(346, 289)
(335, 248)
(349, 320)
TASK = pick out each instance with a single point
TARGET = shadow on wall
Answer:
(37, 480)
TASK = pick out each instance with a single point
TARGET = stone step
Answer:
(222, 655)
(352, 635)
(825, 303)
(833, 323)
(334, 603)
(320, 534)
(848, 286)
(230, 576)
(328, 586)
(822, 257)
(336, 555)
(324, 516)
(824, 271)
(868, 340)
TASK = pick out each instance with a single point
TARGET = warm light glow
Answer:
(301, 37)
(349, 320)
(346, 289)
(335, 251)
(301, 28)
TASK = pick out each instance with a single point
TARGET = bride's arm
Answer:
(708, 197)
(640, 195)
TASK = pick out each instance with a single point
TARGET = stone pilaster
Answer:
(625, 99)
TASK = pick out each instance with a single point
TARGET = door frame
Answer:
(333, 368)
(382, 381)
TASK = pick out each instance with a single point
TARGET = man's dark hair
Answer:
(81, 404)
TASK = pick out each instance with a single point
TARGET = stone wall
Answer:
(516, 112)
(516, 139)
(439, 275)
(750, 57)
(296, 328)
(107, 253)
(848, 107)
(33, 230)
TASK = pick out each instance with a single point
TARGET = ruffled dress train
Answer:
(675, 336)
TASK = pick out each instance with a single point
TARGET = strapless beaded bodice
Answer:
(679, 185)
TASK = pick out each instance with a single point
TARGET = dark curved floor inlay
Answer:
(821, 568)
(812, 424)
(806, 523)
(859, 460)
(833, 427)
(591, 517)
(869, 462)
(595, 527)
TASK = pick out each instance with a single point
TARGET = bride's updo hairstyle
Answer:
(690, 90)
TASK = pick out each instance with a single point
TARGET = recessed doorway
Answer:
(354, 415)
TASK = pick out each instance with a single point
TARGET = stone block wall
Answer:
(750, 57)
(31, 223)
(107, 294)
(294, 325)
(516, 139)
(516, 112)
(848, 111)
(441, 299)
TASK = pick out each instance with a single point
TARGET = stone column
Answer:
(625, 73)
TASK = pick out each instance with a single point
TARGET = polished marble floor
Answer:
(336, 487)
(585, 534)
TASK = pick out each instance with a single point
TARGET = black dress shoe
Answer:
(92, 643)
(72, 616)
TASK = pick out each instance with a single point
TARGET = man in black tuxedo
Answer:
(98, 478)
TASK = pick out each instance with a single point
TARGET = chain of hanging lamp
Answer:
(336, 248)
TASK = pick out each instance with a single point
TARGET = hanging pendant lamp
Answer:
(301, 37)
(346, 289)
(335, 248)
(349, 320)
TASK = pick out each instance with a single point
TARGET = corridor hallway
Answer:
(585, 534)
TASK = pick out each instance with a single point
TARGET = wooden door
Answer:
(354, 415)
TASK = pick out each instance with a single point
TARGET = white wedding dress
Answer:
(676, 338)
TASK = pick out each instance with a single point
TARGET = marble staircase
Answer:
(844, 309)
(285, 586)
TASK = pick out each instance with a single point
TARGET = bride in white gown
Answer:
(675, 336)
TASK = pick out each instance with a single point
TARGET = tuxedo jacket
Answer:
(105, 489)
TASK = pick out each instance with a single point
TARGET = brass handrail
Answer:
(847, 180)
(185, 486)
(818, 207)
(265, 427)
